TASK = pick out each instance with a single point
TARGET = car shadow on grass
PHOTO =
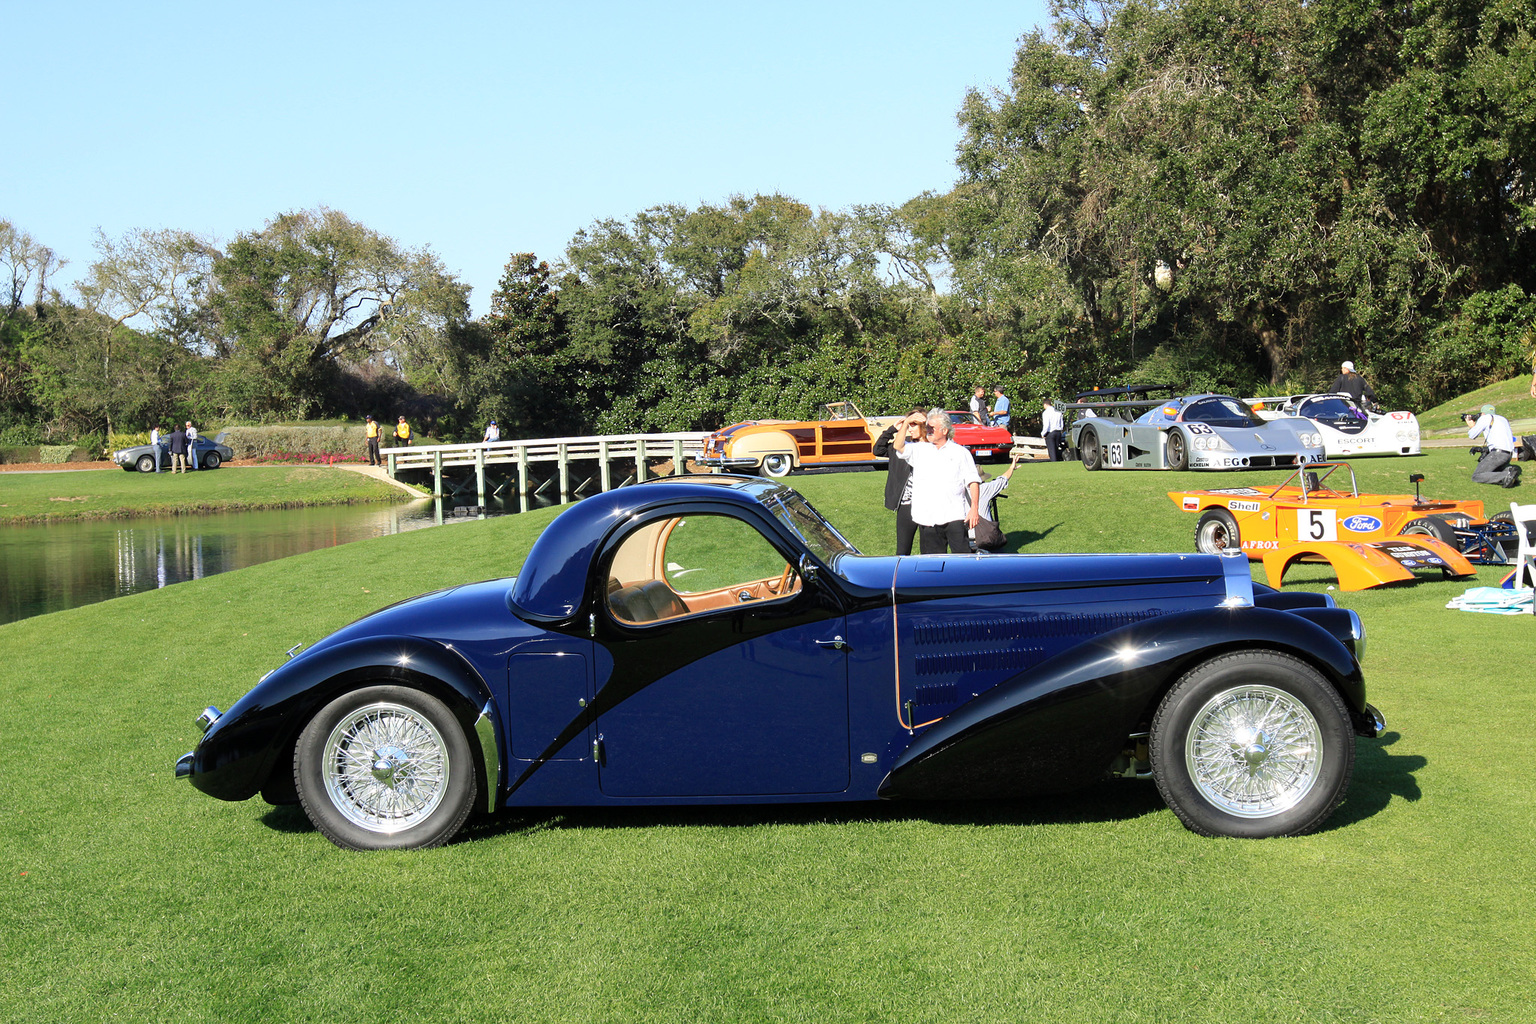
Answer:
(1110, 801)
(1379, 776)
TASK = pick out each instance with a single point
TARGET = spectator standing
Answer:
(1496, 467)
(492, 432)
(178, 450)
(987, 535)
(403, 433)
(979, 404)
(371, 431)
(898, 478)
(1051, 428)
(154, 442)
(1352, 384)
(191, 445)
(943, 473)
(1001, 415)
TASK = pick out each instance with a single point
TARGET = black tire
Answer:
(146, 464)
(1433, 526)
(211, 460)
(1216, 531)
(1252, 744)
(385, 768)
(1178, 450)
(1088, 449)
(778, 465)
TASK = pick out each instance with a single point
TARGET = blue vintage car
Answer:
(1187, 432)
(713, 639)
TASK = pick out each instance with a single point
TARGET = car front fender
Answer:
(248, 745)
(1059, 725)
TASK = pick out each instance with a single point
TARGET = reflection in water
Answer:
(51, 567)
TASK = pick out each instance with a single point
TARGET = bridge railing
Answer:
(628, 450)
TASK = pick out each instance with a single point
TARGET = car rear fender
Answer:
(249, 748)
(1059, 725)
(758, 444)
(1360, 566)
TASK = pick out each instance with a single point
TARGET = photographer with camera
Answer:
(1495, 467)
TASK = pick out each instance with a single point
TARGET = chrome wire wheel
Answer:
(385, 767)
(1254, 751)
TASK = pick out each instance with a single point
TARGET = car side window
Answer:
(694, 564)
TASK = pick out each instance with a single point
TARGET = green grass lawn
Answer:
(114, 494)
(129, 896)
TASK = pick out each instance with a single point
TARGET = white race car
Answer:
(1347, 427)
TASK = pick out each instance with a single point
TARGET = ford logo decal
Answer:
(1362, 524)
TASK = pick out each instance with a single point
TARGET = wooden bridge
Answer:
(579, 464)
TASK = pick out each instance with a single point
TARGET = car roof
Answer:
(554, 576)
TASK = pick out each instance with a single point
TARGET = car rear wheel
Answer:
(383, 768)
(211, 460)
(146, 464)
(1178, 450)
(1432, 526)
(777, 465)
(1088, 449)
(1217, 531)
(1252, 744)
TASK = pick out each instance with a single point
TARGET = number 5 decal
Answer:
(1316, 524)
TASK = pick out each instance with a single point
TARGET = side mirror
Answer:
(807, 569)
(1415, 478)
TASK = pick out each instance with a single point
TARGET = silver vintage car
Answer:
(1204, 431)
(210, 455)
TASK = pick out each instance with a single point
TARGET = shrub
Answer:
(55, 453)
(257, 442)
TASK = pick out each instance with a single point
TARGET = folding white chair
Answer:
(1525, 559)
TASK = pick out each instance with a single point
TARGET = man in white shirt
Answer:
(492, 432)
(943, 473)
(1495, 467)
(154, 443)
(191, 445)
(1051, 427)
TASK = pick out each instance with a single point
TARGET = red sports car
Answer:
(983, 440)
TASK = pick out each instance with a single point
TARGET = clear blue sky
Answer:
(477, 128)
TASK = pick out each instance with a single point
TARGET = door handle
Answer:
(837, 643)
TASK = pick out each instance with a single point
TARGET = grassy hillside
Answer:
(129, 896)
(1512, 398)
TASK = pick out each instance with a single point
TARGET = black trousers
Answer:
(1053, 445)
(906, 529)
(953, 536)
(373, 451)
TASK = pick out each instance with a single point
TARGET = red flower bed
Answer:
(309, 458)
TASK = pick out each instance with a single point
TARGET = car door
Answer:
(729, 672)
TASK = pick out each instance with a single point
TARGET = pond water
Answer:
(48, 568)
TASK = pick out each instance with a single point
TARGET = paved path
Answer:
(378, 473)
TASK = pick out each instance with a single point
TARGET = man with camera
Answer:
(1495, 467)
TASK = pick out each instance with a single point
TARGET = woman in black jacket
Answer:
(898, 482)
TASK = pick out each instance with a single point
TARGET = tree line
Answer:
(1215, 195)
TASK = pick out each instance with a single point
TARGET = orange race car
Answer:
(1318, 514)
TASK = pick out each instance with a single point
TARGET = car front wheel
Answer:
(211, 460)
(1178, 450)
(1252, 744)
(1088, 448)
(385, 767)
(146, 464)
(1216, 532)
(777, 465)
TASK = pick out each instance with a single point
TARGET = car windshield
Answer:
(1222, 412)
(818, 535)
(1330, 409)
(963, 417)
